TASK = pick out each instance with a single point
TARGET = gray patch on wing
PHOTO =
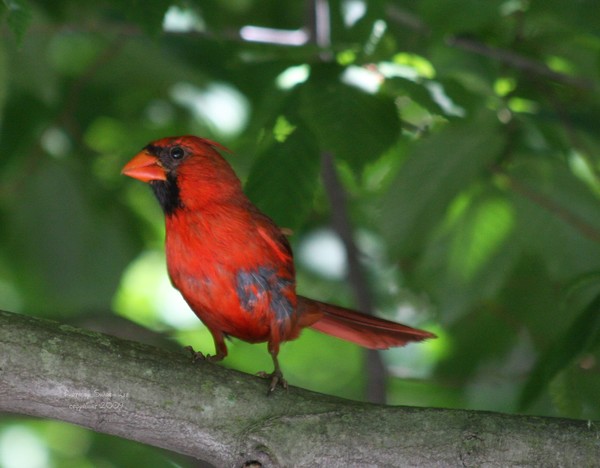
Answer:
(252, 285)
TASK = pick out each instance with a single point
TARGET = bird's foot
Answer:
(199, 356)
(196, 355)
(276, 378)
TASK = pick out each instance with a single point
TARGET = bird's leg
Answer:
(276, 376)
(220, 348)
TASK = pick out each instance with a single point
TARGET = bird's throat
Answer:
(167, 193)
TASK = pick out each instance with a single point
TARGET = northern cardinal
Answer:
(232, 264)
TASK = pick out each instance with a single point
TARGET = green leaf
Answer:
(415, 91)
(148, 14)
(564, 394)
(454, 17)
(4, 76)
(437, 169)
(557, 216)
(68, 252)
(352, 124)
(580, 337)
(479, 236)
(479, 338)
(18, 17)
(284, 178)
(579, 283)
(471, 254)
(558, 15)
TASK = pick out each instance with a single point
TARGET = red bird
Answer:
(232, 264)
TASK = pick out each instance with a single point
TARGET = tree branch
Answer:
(158, 397)
(519, 62)
(376, 371)
(573, 219)
(511, 58)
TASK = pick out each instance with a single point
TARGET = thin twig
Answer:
(581, 225)
(520, 62)
(508, 57)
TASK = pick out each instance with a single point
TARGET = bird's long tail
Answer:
(364, 330)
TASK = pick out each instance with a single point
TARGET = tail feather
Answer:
(364, 330)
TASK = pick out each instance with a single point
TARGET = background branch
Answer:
(577, 222)
(158, 397)
(519, 62)
(510, 58)
(340, 221)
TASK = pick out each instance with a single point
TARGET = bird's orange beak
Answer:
(144, 167)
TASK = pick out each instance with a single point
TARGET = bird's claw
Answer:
(199, 356)
(196, 355)
(276, 378)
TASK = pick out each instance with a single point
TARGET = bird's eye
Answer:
(176, 152)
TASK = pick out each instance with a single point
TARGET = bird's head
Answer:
(185, 171)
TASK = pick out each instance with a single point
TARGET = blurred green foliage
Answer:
(465, 135)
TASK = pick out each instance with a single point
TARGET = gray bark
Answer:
(159, 397)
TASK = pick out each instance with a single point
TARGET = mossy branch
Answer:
(160, 398)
